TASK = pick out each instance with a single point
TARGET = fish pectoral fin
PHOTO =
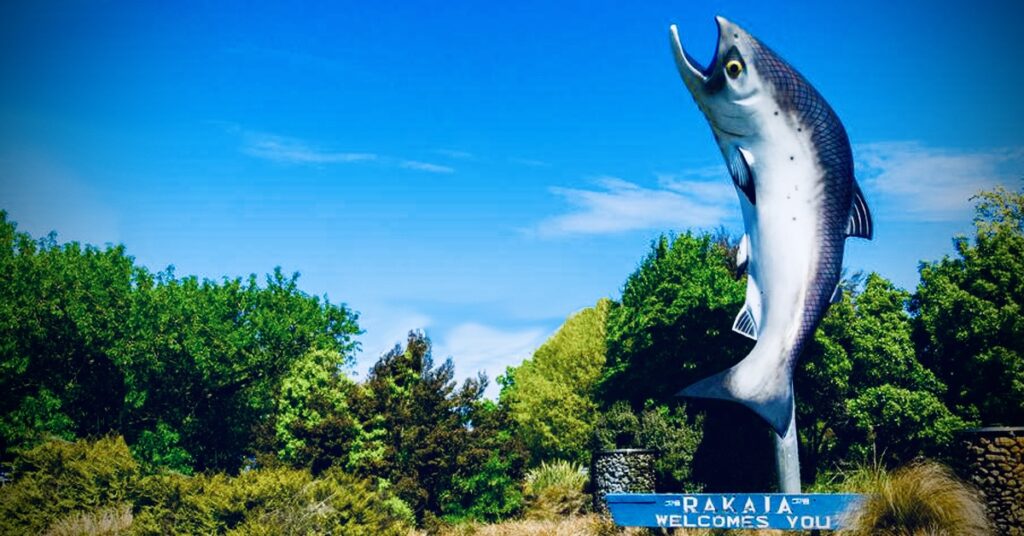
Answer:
(741, 163)
(742, 255)
(745, 324)
(860, 224)
(837, 294)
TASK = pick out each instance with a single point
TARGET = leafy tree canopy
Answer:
(551, 395)
(969, 322)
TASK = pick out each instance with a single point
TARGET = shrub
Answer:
(555, 490)
(266, 501)
(659, 427)
(921, 499)
(59, 478)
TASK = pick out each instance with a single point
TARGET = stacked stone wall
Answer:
(995, 465)
(621, 471)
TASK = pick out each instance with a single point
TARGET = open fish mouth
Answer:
(690, 69)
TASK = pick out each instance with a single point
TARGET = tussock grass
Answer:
(585, 525)
(555, 490)
(588, 525)
(110, 521)
(923, 499)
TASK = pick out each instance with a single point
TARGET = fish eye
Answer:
(733, 68)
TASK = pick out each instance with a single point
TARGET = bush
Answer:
(267, 501)
(58, 479)
(659, 427)
(555, 490)
(921, 499)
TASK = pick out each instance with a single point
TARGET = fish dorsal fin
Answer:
(740, 162)
(742, 255)
(860, 224)
(745, 324)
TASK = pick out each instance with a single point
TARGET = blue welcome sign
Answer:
(786, 511)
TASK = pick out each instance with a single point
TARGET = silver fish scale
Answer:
(832, 147)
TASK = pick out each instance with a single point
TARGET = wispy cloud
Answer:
(425, 166)
(912, 181)
(619, 206)
(477, 347)
(294, 151)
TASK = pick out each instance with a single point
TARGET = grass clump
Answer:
(113, 520)
(922, 499)
(555, 490)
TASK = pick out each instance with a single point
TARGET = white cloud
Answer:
(293, 151)
(912, 181)
(476, 347)
(425, 166)
(287, 150)
(42, 196)
(624, 206)
(384, 327)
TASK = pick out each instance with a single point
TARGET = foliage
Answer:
(862, 388)
(923, 498)
(556, 490)
(57, 478)
(160, 447)
(443, 448)
(69, 487)
(551, 395)
(666, 429)
(969, 321)
(267, 501)
(672, 326)
(900, 422)
(185, 369)
(315, 425)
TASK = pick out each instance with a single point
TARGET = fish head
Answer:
(732, 90)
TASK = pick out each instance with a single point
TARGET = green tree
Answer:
(969, 321)
(61, 310)
(486, 483)
(438, 438)
(672, 328)
(315, 425)
(185, 369)
(861, 388)
(551, 395)
(673, 325)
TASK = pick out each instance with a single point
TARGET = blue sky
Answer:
(477, 169)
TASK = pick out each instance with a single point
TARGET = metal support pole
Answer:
(787, 457)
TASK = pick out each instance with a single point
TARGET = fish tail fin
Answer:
(769, 397)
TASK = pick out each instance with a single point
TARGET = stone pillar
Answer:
(995, 465)
(621, 471)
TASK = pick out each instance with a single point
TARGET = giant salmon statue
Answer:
(791, 163)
